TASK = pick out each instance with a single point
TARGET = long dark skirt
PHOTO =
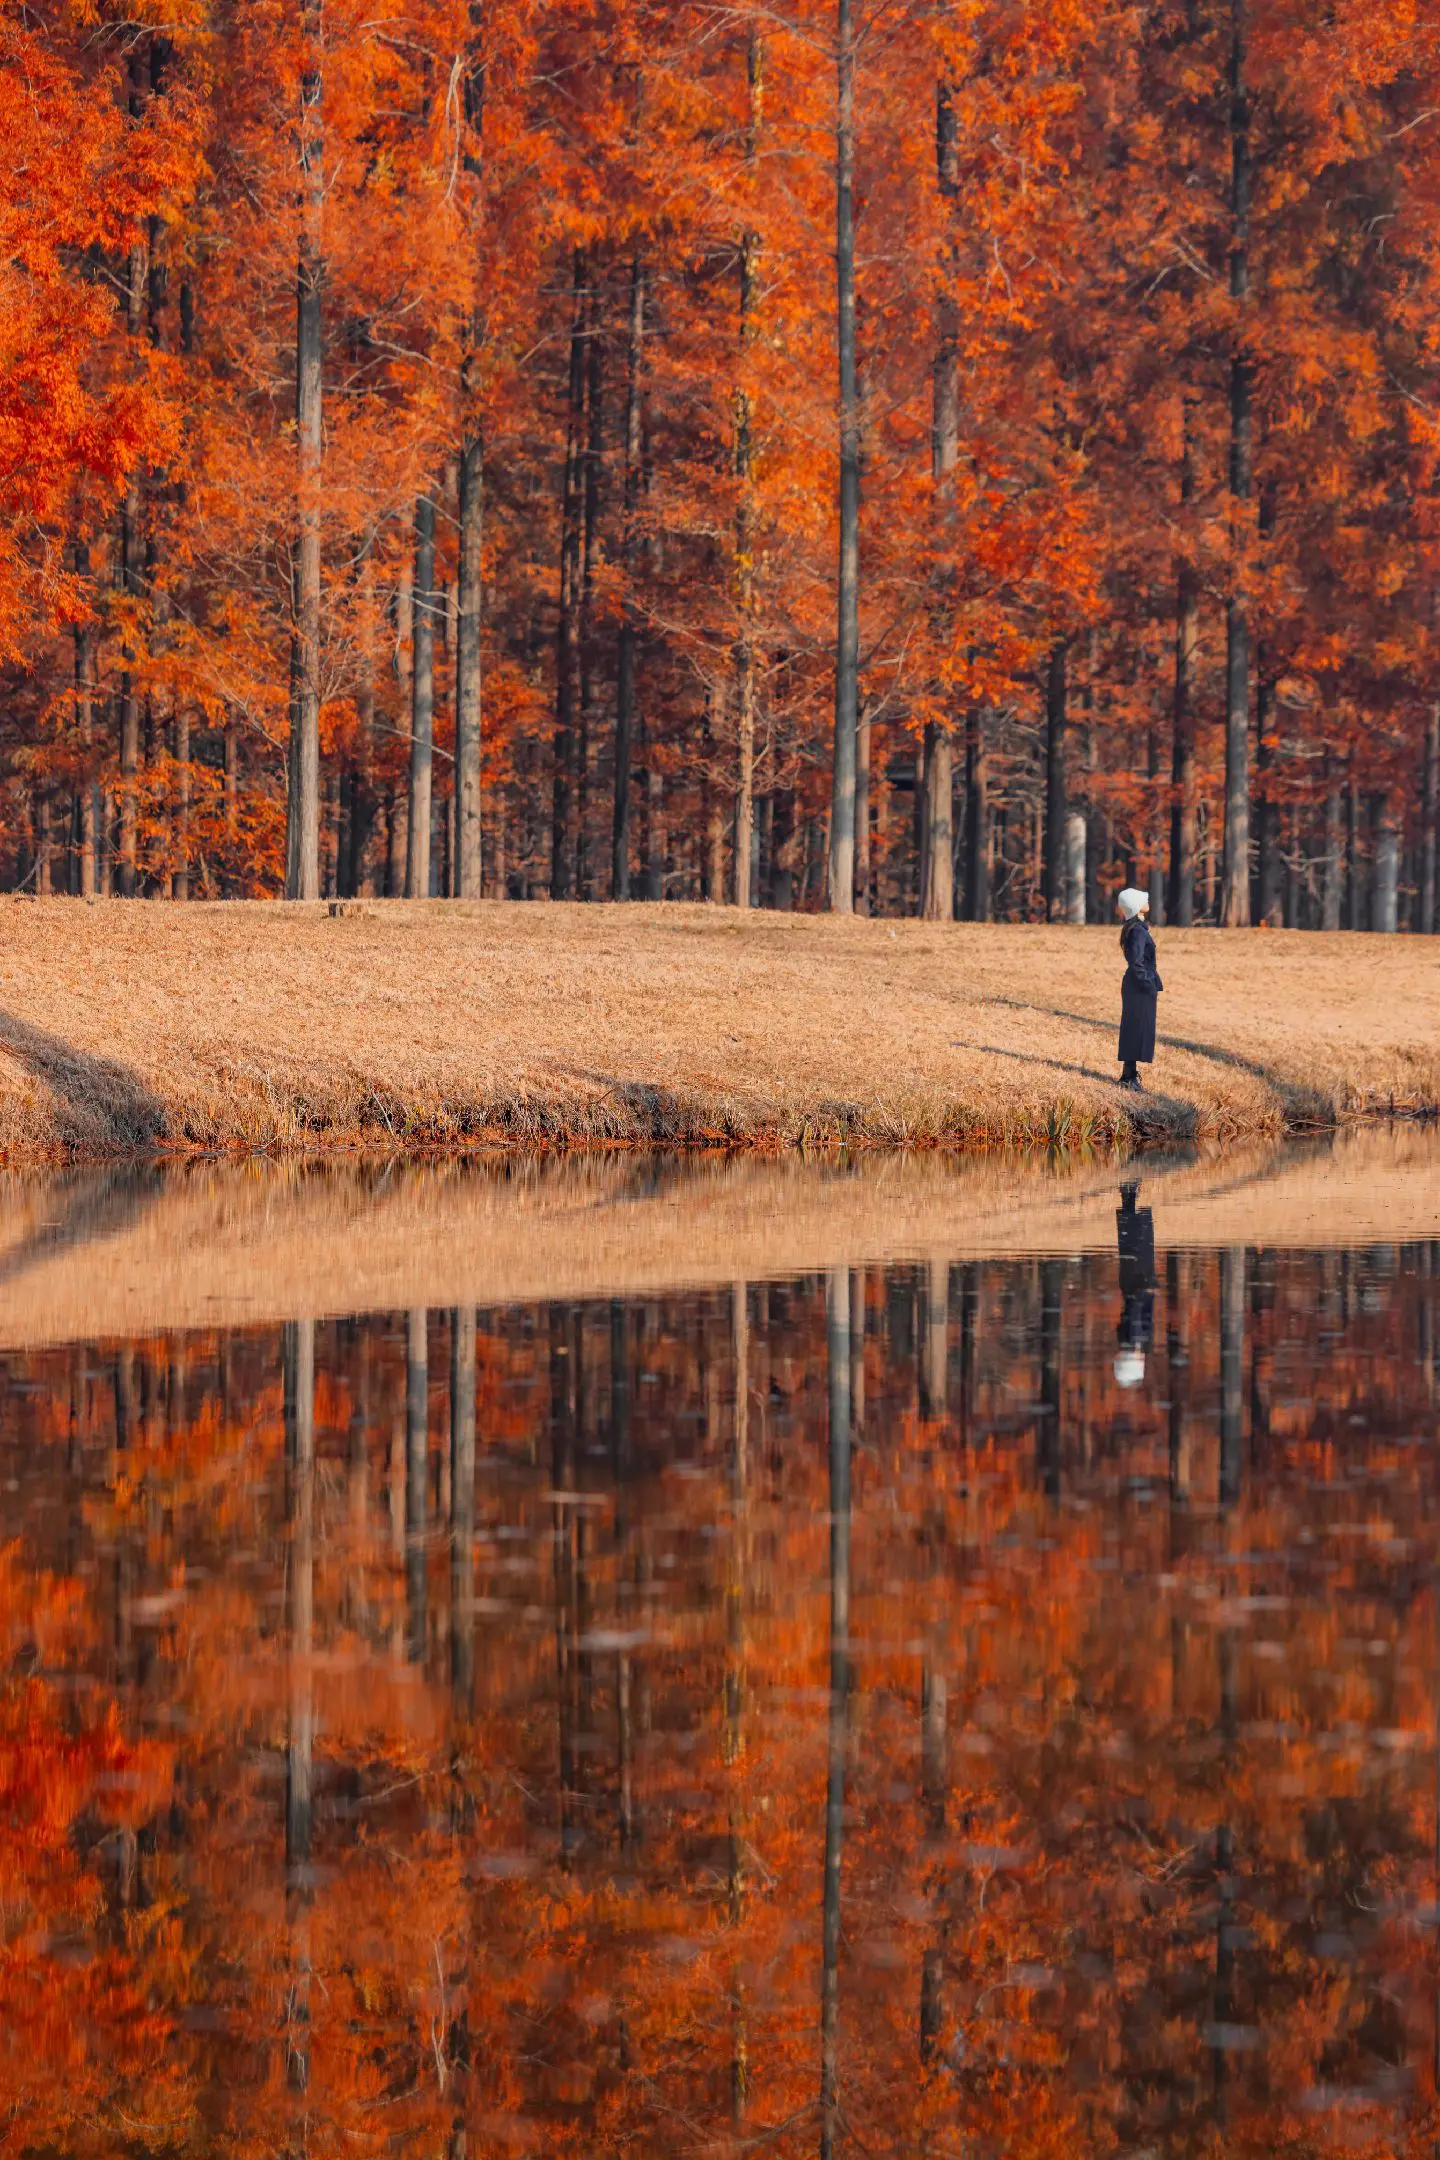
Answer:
(1137, 1024)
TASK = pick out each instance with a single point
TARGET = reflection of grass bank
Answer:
(113, 1253)
(259, 1027)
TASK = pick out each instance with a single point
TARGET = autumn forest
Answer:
(900, 455)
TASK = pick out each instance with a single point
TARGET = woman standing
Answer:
(1140, 988)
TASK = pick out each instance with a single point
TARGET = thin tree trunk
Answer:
(567, 655)
(594, 459)
(129, 567)
(363, 803)
(977, 819)
(180, 882)
(838, 1343)
(1385, 907)
(1055, 792)
(847, 644)
(745, 660)
(657, 846)
(862, 814)
(128, 563)
(1235, 874)
(44, 845)
(1077, 835)
(468, 720)
(1270, 872)
(85, 732)
(302, 874)
(1182, 757)
(629, 623)
(468, 856)
(1332, 877)
(1155, 880)
(422, 705)
(938, 897)
(713, 867)
(744, 547)
(1429, 807)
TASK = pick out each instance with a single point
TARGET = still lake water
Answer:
(974, 1706)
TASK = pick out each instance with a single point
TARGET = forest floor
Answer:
(137, 1028)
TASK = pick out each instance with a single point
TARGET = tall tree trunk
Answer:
(712, 877)
(85, 733)
(938, 898)
(1077, 838)
(1055, 791)
(1385, 907)
(302, 834)
(657, 845)
(1270, 868)
(1235, 874)
(42, 825)
(1182, 756)
(422, 704)
(567, 654)
(1332, 872)
(363, 803)
(468, 854)
(745, 659)
(180, 881)
(468, 876)
(977, 819)
(838, 1305)
(629, 622)
(1430, 806)
(130, 583)
(847, 642)
(863, 738)
(129, 558)
(594, 459)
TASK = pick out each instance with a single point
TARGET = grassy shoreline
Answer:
(135, 1029)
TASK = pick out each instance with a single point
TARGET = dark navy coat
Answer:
(1139, 991)
(1135, 1240)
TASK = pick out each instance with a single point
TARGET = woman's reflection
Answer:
(1135, 1241)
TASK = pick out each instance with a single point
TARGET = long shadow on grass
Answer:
(1171, 1042)
(1300, 1101)
(108, 1109)
(1157, 1116)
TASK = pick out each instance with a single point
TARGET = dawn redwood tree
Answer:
(847, 590)
(302, 875)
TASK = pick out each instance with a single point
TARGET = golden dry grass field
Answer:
(138, 1027)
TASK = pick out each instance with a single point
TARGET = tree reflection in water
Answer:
(847, 1714)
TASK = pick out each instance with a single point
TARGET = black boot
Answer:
(1130, 1078)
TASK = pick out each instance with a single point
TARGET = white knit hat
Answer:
(1129, 1367)
(1132, 903)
